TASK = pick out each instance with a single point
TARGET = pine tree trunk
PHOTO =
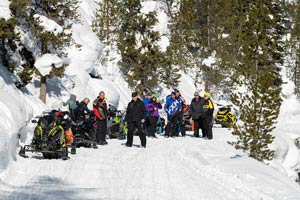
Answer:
(43, 89)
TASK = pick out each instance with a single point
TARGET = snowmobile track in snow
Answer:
(169, 168)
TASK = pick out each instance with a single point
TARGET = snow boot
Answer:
(73, 151)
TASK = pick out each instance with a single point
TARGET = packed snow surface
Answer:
(173, 168)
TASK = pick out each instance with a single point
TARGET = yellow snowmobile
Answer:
(225, 117)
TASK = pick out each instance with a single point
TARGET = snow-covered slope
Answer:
(183, 168)
(287, 155)
(15, 111)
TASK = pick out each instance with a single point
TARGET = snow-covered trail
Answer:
(174, 168)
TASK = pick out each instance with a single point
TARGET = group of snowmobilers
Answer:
(143, 115)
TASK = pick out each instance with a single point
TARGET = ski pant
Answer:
(172, 126)
(101, 130)
(146, 124)
(208, 124)
(131, 127)
(180, 125)
(74, 144)
(153, 125)
(198, 124)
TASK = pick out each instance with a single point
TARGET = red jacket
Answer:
(100, 109)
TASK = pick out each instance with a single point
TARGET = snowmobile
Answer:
(49, 138)
(116, 127)
(84, 130)
(187, 119)
(225, 117)
(160, 125)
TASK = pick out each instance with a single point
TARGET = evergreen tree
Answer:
(141, 57)
(257, 74)
(107, 26)
(7, 36)
(293, 46)
(27, 14)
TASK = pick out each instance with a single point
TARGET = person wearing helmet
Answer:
(208, 111)
(72, 103)
(196, 110)
(180, 116)
(152, 108)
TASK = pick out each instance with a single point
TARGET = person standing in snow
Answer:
(196, 109)
(135, 117)
(173, 109)
(146, 125)
(152, 107)
(208, 111)
(100, 111)
(72, 104)
(180, 118)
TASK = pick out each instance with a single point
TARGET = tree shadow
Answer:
(45, 187)
(55, 87)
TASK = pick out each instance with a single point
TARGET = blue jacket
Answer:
(146, 101)
(172, 106)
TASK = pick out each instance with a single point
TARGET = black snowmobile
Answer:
(116, 127)
(84, 130)
(49, 137)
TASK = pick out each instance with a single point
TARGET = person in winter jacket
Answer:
(146, 125)
(180, 118)
(72, 104)
(82, 109)
(134, 118)
(208, 111)
(172, 108)
(196, 109)
(152, 107)
(100, 111)
(83, 112)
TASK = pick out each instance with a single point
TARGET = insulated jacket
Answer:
(146, 101)
(172, 106)
(208, 109)
(82, 110)
(196, 108)
(136, 111)
(100, 109)
(152, 108)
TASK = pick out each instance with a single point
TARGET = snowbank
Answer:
(4, 9)
(45, 63)
(16, 109)
(48, 24)
(287, 156)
